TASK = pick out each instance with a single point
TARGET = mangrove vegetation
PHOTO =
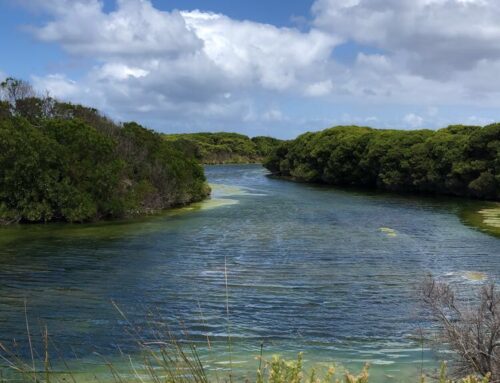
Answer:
(458, 160)
(66, 162)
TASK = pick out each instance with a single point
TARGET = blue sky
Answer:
(262, 67)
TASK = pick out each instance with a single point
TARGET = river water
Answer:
(295, 267)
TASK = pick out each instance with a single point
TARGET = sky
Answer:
(262, 67)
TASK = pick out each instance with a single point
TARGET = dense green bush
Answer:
(221, 148)
(458, 160)
(60, 161)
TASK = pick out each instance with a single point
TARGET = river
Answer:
(296, 267)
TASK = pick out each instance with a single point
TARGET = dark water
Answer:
(329, 272)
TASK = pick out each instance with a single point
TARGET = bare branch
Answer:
(472, 332)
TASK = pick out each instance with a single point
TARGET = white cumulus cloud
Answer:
(433, 36)
(192, 67)
(413, 120)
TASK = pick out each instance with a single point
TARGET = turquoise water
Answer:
(329, 272)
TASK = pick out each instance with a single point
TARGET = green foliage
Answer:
(279, 370)
(265, 145)
(458, 160)
(60, 161)
(221, 148)
(443, 377)
(174, 362)
(4, 109)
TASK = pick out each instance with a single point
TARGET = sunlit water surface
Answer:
(329, 272)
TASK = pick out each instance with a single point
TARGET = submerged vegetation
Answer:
(470, 330)
(174, 362)
(171, 361)
(486, 217)
(457, 160)
(167, 360)
(66, 162)
(225, 148)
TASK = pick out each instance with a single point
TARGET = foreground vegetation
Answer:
(225, 148)
(472, 331)
(60, 161)
(173, 362)
(458, 160)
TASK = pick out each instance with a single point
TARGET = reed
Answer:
(172, 361)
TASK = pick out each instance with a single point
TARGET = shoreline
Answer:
(379, 190)
(130, 216)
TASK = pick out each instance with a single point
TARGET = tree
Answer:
(458, 160)
(4, 110)
(13, 89)
(66, 162)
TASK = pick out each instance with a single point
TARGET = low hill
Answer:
(225, 148)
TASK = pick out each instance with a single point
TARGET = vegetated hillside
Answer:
(457, 160)
(65, 162)
(225, 148)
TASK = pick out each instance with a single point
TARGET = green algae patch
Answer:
(475, 276)
(213, 203)
(389, 232)
(222, 190)
(491, 217)
(108, 230)
(484, 217)
(227, 190)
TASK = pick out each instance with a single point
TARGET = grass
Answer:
(173, 362)
(169, 362)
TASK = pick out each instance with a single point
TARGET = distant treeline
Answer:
(60, 161)
(225, 148)
(457, 160)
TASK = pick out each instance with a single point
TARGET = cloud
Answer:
(413, 120)
(432, 111)
(475, 120)
(199, 69)
(429, 52)
(134, 28)
(274, 58)
(137, 35)
(181, 64)
(273, 115)
(320, 88)
(371, 119)
(432, 37)
(58, 85)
